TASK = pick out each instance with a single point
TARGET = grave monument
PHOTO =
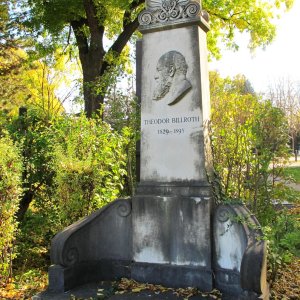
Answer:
(170, 232)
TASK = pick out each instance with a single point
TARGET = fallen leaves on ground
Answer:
(129, 285)
(23, 287)
(287, 285)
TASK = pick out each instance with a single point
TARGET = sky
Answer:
(281, 59)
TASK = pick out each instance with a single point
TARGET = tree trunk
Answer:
(93, 99)
(92, 53)
(24, 204)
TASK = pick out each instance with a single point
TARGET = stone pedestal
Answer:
(172, 208)
(171, 238)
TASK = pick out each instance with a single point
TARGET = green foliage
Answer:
(227, 18)
(72, 166)
(249, 141)
(93, 22)
(10, 182)
(30, 133)
(283, 234)
(90, 166)
(293, 173)
(122, 112)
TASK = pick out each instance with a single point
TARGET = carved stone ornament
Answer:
(162, 11)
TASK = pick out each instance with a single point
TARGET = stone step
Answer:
(107, 291)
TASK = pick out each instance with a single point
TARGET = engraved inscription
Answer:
(169, 126)
(161, 11)
(170, 77)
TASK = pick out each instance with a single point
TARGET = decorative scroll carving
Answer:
(161, 11)
(72, 257)
(72, 245)
(223, 214)
(124, 209)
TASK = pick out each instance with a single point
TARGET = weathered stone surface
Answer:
(172, 208)
(172, 230)
(173, 127)
(97, 247)
(239, 253)
(172, 275)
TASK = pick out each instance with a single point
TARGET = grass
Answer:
(293, 172)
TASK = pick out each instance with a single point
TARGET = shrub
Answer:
(283, 234)
(249, 140)
(90, 166)
(10, 191)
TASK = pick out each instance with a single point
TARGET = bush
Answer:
(249, 140)
(10, 191)
(90, 166)
(71, 167)
(32, 135)
(283, 234)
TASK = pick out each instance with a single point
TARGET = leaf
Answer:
(137, 290)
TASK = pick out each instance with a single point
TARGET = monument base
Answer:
(173, 276)
(118, 241)
(63, 279)
(172, 235)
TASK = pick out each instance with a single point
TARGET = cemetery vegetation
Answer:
(56, 168)
(10, 191)
(250, 148)
(293, 173)
(67, 167)
(71, 165)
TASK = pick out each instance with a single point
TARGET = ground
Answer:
(129, 290)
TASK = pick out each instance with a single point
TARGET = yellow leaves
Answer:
(9, 291)
(24, 286)
(132, 286)
(137, 290)
(287, 285)
(253, 16)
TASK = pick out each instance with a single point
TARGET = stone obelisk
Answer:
(172, 207)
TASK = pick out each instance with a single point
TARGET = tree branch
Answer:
(81, 39)
(120, 42)
(129, 27)
(226, 19)
(128, 13)
(95, 24)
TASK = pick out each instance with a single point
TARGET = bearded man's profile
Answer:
(170, 77)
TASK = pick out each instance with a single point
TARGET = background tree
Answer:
(285, 94)
(31, 84)
(92, 22)
(249, 142)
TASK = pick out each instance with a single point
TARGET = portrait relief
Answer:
(171, 83)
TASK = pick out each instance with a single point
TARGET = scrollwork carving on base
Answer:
(124, 209)
(223, 214)
(71, 257)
